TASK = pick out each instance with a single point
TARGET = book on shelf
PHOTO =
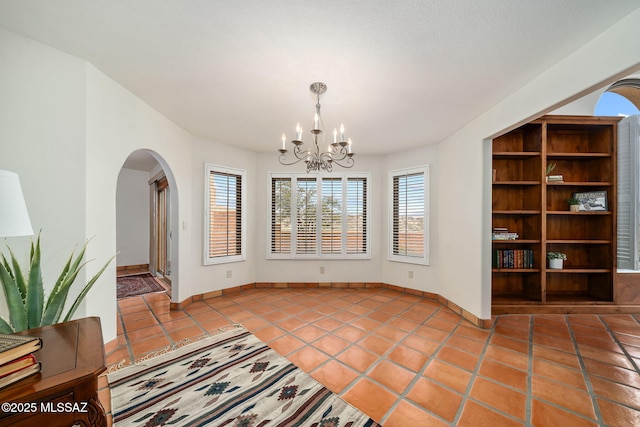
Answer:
(555, 178)
(503, 233)
(24, 372)
(512, 258)
(13, 347)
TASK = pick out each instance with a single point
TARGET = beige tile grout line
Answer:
(420, 374)
(380, 358)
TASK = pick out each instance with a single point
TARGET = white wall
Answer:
(66, 129)
(425, 278)
(42, 139)
(118, 123)
(465, 156)
(132, 214)
(207, 278)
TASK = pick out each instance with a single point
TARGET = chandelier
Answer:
(338, 152)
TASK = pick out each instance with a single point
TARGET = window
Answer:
(408, 215)
(224, 215)
(628, 220)
(318, 216)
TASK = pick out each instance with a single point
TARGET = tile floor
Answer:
(409, 361)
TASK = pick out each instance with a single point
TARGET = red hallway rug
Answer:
(129, 286)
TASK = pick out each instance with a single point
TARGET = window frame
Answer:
(424, 259)
(318, 254)
(208, 170)
(628, 194)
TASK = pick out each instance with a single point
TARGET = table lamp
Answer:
(14, 217)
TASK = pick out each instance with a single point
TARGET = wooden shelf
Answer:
(579, 242)
(516, 182)
(516, 242)
(515, 154)
(569, 270)
(580, 184)
(583, 150)
(506, 299)
(579, 213)
(517, 212)
(576, 155)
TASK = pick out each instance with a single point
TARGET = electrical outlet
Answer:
(229, 274)
(410, 274)
(321, 269)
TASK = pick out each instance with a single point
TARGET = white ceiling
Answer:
(400, 73)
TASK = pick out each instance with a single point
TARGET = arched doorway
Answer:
(622, 98)
(146, 202)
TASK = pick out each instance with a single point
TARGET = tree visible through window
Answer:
(318, 216)
(224, 216)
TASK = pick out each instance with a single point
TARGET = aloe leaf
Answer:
(59, 282)
(57, 300)
(18, 276)
(54, 308)
(17, 314)
(35, 289)
(58, 297)
(5, 328)
(86, 290)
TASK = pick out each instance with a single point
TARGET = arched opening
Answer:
(620, 99)
(146, 220)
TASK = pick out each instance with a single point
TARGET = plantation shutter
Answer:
(225, 208)
(331, 216)
(408, 215)
(281, 215)
(356, 215)
(628, 176)
(306, 221)
(318, 216)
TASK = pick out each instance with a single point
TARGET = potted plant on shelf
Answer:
(574, 204)
(556, 259)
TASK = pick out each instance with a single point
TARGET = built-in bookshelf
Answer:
(580, 154)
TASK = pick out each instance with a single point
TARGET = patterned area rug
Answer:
(231, 379)
(138, 284)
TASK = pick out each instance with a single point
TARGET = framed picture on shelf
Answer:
(592, 201)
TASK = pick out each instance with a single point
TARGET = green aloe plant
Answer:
(24, 293)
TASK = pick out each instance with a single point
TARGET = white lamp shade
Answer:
(14, 217)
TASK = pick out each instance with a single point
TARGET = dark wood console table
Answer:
(65, 392)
